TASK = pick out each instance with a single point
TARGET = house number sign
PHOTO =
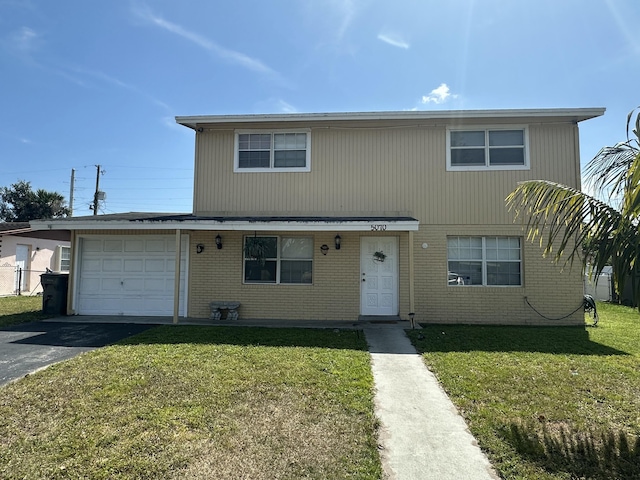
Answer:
(379, 228)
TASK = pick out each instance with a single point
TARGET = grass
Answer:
(198, 402)
(546, 402)
(19, 309)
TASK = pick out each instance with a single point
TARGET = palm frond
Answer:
(635, 131)
(574, 222)
(607, 171)
(562, 217)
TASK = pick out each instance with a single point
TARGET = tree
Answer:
(19, 203)
(604, 230)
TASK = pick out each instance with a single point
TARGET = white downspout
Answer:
(411, 276)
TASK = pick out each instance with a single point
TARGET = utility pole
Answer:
(95, 195)
(73, 180)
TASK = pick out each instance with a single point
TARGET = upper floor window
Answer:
(282, 151)
(480, 149)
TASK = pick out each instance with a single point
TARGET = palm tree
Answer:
(603, 231)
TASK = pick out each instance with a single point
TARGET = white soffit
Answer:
(574, 114)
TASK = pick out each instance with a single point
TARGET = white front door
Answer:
(22, 267)
(379, 276)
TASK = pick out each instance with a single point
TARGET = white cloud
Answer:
(120, 84)
(438, 95)
(286, 107)
(239, 58)
(393, 40)
(347, 11)
(274, 105)
(25, 43)
(332, 20)
(170, 122)
(24, 40)
(623, 21)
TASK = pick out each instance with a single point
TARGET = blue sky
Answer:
(87, 82)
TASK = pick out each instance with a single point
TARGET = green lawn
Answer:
(207, 402)
(14, 310)
(546, 402)
(198, 402)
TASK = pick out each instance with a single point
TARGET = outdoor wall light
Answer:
(338, 240)
(324, 249)
(200, 248)
(218, 241)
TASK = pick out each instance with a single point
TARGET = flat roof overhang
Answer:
(60, 235)
(576, 115)
(153, 222)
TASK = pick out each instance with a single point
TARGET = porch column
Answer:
(176, 277)
(73, 263)
(411, 274)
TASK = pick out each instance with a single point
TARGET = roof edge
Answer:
(579, 114)
(242, 223)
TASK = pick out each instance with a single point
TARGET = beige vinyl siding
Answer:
(379, 170)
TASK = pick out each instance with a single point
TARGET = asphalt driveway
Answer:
(27, 347)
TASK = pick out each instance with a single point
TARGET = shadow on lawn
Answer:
(468, 338)
(252, 336)
(603, 455)
(24, 317)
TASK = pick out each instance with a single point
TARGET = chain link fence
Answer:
(18, 281)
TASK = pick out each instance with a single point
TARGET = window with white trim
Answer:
(62, 258)
(280, 260)
(65, 259)
(264, 151)
(488, 261)
(480, 149)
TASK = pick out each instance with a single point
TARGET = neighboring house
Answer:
(358, 214)
(600, 287)
(26, 254)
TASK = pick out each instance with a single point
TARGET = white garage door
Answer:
(129, 275)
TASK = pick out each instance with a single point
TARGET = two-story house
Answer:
(356, 215)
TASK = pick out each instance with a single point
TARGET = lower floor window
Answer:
(285, 260)
(484, 261)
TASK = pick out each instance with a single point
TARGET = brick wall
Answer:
(553, 292)
(335, 292)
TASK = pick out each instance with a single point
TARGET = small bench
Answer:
(216, 308)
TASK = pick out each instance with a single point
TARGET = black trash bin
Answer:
(54, 292)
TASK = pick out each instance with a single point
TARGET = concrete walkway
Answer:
(422, 434)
